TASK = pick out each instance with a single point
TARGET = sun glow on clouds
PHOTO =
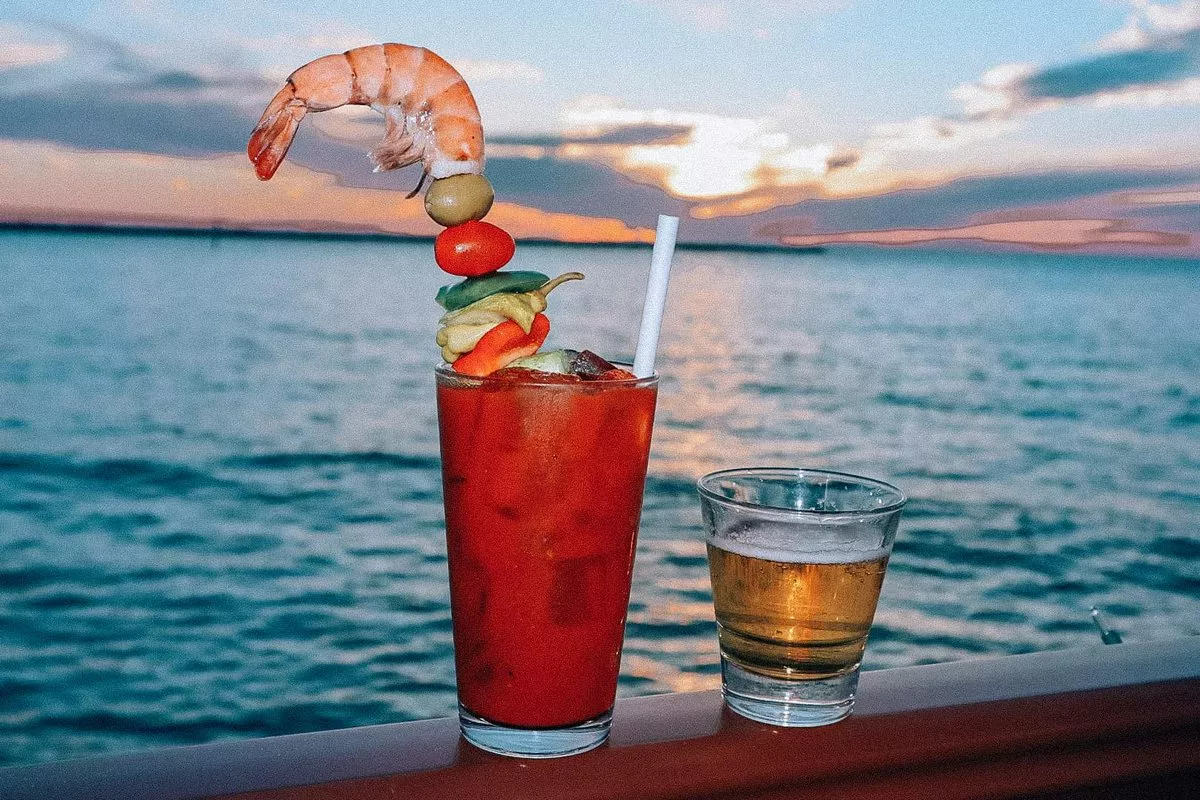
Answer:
(46, 183)
(718, 156)
(737, 166)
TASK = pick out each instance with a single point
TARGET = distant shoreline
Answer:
(216, 233)
(256, 233)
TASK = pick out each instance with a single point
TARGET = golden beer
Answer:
(794, 616)
(797, 558)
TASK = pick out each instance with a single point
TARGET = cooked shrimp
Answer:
(431, 115)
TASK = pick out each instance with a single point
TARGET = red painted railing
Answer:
(1121, 721)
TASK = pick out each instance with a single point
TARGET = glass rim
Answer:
(444, 370)
(897, 503)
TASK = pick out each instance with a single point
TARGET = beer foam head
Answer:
(788, 543)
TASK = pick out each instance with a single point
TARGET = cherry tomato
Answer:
(473, 248)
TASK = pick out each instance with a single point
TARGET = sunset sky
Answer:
(1073, 124)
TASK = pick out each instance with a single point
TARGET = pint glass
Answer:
(543, 477)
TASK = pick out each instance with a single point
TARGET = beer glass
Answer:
(797, 559)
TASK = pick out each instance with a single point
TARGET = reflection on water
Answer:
(663, 673)
(699, 388)
(220, 503)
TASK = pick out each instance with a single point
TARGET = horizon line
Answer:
(219, 231)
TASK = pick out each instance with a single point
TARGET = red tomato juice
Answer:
(543, 491)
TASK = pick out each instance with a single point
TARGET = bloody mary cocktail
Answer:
(543, 476)
(544, 453)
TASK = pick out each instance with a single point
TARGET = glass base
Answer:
(787, 703)
(534, 742)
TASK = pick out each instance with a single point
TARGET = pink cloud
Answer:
(1050, 234)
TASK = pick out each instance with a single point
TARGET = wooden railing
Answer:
(1119, 721)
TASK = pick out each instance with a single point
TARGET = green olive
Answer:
(458, 199)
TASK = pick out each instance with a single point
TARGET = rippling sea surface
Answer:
(220, 500)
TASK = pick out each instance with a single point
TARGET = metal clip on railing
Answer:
(1107, 635)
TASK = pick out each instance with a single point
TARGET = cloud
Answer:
(1181, 93)
(1154, 57)
(934, 133)
(743, 166)
(706, 155)
(104, 96)
(336, 36)
(511, 71)
(171, 112)
(1154, 60)
(134, 104)
(528, 175)
(92, 55)
(327, 36)
(107, 117)
(51, 183)
(967, 199)
(1176, 197)
(1131, 37)
(632, 134)
(1112, 209)
(19, 48)
(1149, 19)
(581, 201)
(21, 54)
(1160, 60)
(740, 166)
(737, 179)
(96, 60)
(842, 159)
(579, 187)
(1045, 234)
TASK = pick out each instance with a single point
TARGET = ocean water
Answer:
(220, 504)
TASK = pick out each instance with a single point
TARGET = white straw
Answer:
(656, 295)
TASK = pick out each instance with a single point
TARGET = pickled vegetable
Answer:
(455, 340)
(458, 199)
(503, 345)
(517, 306)
(466, 292)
